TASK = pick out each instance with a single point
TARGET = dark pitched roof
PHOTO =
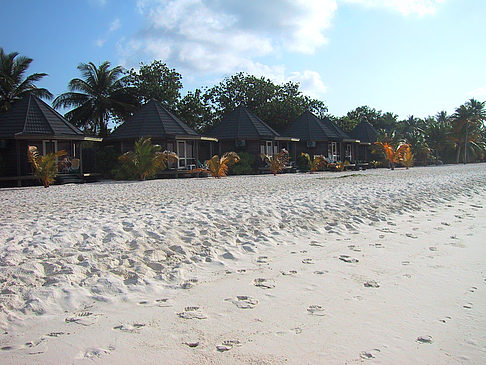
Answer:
(342, 135)
(152, 120)
(242, 124)
(308, 127)
(31, 116)
(365, 132)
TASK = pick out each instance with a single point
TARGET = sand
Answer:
(375, 266)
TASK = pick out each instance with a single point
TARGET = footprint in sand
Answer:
(410, 235)
(191, 344)
(366, 355)
(82, 318)
(262, 260)
(308, 261)
(354, 248)
(377, 245)
(445, 319)
(468, 306)
(227, 345)
(424, 339)
(473, 289)
(405, 263)
(348, 259)
(371, 284)
(130, 328)
(316, 310)
(55, 334)
(432, 248)
(316, 244)
(163, 302)
(243, 301)
(264, 283)
(96, 352)
(320, 272)
(290, 272)
(192, 313)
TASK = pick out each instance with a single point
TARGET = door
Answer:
(181, 152)
(349, 155)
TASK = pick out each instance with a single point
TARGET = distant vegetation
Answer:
(105, 94)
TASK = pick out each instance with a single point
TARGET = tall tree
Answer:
(378, 119)
(13, 85)
(194, 110)
(155, 81)
(97, 97)
(467, 125)
(437, 130)
(278, 105)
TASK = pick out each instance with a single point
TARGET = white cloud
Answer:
(405, 7)
(225, 36)
(479, 93)
(100, 42)
(114, 25)
(310, 82)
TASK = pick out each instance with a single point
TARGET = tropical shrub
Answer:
(407, 158)
(45, 167)
(338, 166)
(302, 163)
(107, 163)
(393, 155)
(146, 160)
(218, 166)
(317, 163)
(245, 165)
(276, 163)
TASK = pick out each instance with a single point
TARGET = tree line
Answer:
(104, 95)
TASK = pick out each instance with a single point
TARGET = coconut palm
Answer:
(97, 97)
(13, 85)
(146, 159)
(45, 167)
(467, 122)
(277, 162)
(437, 130)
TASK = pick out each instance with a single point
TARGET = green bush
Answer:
(107, 162)
(302, 163)
(245, 166)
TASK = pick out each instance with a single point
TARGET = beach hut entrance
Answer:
(349, 153)
(268, 148)
(185, 151)
(49, 147)
(333, 152)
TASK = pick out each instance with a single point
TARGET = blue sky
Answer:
(410, 57)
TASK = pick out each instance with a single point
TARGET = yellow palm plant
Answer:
(391, 154)
(407, 158)
(146, 159)
(317, 163)
(218, 166)
(45, 167)
(278, 162)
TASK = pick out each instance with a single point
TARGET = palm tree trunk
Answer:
(458, 154)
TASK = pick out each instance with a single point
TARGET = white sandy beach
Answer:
(377, 266)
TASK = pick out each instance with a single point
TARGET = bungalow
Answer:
(243, 131)
(322, 137)
(164, 128)
(31, 122)
(366, 134)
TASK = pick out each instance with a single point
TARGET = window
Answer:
(49, 147)
(332, 151)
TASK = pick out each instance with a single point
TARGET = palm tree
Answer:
(13, 86)
(437, 130)
(147, 159)
(97, 97)
(278, 162)
(467, 122)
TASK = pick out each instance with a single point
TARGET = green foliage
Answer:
(13, 85)
(155, 81)
(98, 96)
(277, 162)
(194, 110)
(378, 119)
(245, 166)
(219, 166)
(45, 167)
(303, 163)
(107, 162)
(145, 161)
(278, 105)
